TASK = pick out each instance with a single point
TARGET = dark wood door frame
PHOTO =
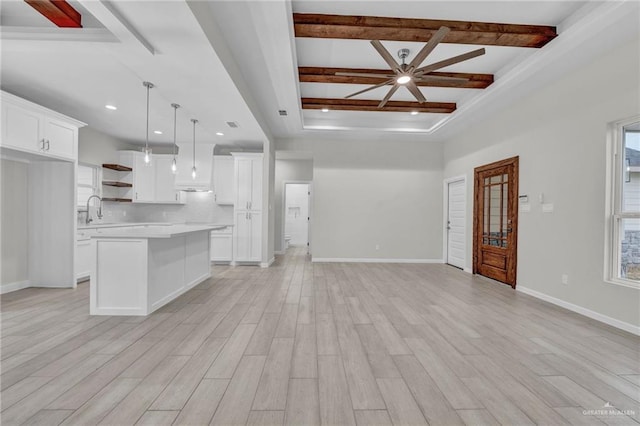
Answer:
(489, 251)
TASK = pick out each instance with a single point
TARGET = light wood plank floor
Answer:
(305, 344)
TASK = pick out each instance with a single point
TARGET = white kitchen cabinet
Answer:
(83, 259)
(144, 176)
(247, 233)
(61, 138)
(223, 175)
(248, 181)
(165, 181)
(222, 245)
(247, 241)
(152, 182)
(32, 128)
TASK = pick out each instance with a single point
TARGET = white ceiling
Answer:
(237, 61)
(79, 78)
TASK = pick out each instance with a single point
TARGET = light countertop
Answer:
(152, 231)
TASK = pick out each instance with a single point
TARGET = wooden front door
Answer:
(495, 220)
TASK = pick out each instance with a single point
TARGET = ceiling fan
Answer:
(408, 74)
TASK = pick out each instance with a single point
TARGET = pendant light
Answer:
(193, 169)
(147, 151)
(174, 165)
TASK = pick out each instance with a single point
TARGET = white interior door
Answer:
(456, 224)
(296, 213)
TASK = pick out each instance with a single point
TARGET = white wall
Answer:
(559, 132)
(13, 205)
(96, 148)
(287, 170)
(382, 192)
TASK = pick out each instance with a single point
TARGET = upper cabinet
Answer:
(203, 163)
(28, 127)
(248, 181)
(152, 182)
(223, 179)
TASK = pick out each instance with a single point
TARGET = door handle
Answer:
(48, 145)
(41, 144)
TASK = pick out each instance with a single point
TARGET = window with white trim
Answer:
(624, 241)
(87, 178)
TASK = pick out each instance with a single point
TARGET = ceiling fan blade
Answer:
(428, 48)
(368, 88)
(386, 55)
(362, 74)
(450, 61)
(391, 92)
(427, 78)
(411, 86)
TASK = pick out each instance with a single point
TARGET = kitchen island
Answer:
(138, 269)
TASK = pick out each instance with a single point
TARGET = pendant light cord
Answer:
(175, 115)
(194, 121)
(149, 86)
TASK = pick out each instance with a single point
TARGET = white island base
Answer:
(137, 271)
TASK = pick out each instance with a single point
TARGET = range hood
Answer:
(204, 167)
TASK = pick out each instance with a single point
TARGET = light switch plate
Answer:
(525, 207)
(547, 208)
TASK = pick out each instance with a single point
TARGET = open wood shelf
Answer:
(118, 200)
(117, 167)
(117, 184)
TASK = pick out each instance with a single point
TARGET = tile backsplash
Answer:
(200, 207)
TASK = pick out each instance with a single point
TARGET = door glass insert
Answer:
(495, 226)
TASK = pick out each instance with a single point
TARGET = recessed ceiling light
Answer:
(111, 107)
(157, 132)
(325, 109)
(414, 112)
(219, 133)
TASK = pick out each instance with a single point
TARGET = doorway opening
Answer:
(495, 220)
(455, 221)
(297, 215)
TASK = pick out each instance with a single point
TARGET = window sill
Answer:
(624, 283)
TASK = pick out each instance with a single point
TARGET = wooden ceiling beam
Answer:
(328, 75)
(59, 12)
(372, 105)
(420, 30)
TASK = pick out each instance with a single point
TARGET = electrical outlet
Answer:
(377, 246)
(565, 279)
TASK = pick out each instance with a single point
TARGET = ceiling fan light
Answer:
(403, 79)
(325, 109)
(414, 112)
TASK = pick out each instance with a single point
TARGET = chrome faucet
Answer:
(98, 213)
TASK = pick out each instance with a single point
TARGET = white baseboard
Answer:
(267, 264)
(372, 260)
(14, 286)
(582, 311)
(468, 270)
